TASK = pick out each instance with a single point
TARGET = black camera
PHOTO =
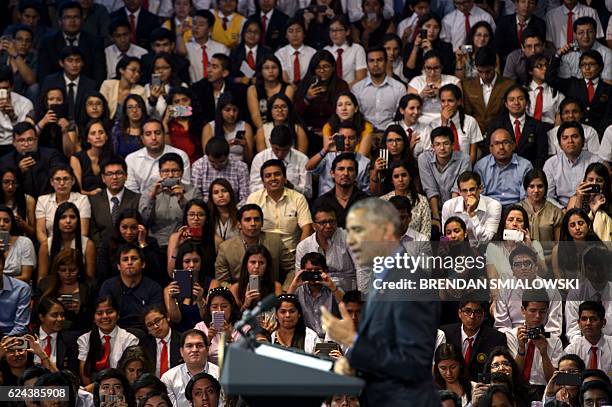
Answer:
(535, 333)
(311, 276)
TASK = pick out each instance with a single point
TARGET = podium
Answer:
(271, 376)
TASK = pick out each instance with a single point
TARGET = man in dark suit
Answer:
(512, 26)
(529, 134)
(487, 83)
(474, 339)
(71, 79)
(396, 338)
(108, 203)
(70, 34)
(141, 20)
(158, 328)
(164, 41)
(273, 24)
(33, 163)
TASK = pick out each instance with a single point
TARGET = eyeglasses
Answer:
(504, 143)
(472, 312)
(114, 174)
(541, 66)
(497, 365)
(394, 140)
(589, 65)
(61, 180)
(570, 371)
(527, 264)
(8, 183)
(133, 107)
(193, 215)
(156, 322)
(280, 107)
(170, 171)
(330, 222)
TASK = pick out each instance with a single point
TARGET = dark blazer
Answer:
(203, 90)
(487, 339)
(533, 144)
(594, 113)
(473, 100)
(146, 23)
(35, 181)
(507, 27)
(93, 48)
(101, 222)
(394, 345)
(275, 29)
(86, 85)
(239, 54)
(150, 345)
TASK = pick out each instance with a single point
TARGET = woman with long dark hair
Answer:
(450, 372)
(125, 136)
(228, 126)
(268, 82)
(415, 51)
(396, 143)
(408, 116)
(135, 362)
(183, 131)
(92, 356)
(290, 330)
(317, 17)
(19, 254)
(347, 110)
(67, 234)
(243, 59)
(22, 204)
(127, 75)
(480, 35)
(317, 92)
(86, 163)
(257, 261)
(223, 209)
(281, 112)
(373, 26)
(96, 107)
(500, 361)
(156, 93)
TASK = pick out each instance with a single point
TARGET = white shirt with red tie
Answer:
(286, 55)
(194, 54)
(454, 29)
(158, 353)
(42, 339)
(353, 59)
(550, 101)
(582, 347)
(554, 350)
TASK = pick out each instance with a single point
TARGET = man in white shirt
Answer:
(202, 48)
(480, 213)
(143, 168)
(457, 24)
(558, 31)
(194, 351)
(593, 346)
(122, 46)
(13, 109)
(570, 110)
(203, 390)
(295, 161)
(536, 351)
(295, 56)
(378, 94)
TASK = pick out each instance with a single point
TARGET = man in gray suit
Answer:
(231, 252)
(106, 204)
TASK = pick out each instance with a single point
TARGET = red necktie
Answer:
(225, 20)
(455, 136)
(517, 131)
(133, 28)
(163, 359)
(467, 24)
(520, 33)
(416, 31)
(468, 351)
(103, 363)
(593, 359)
(204, 61)
(250, 60)
(48, 347)
(528, 362)
(537, 113)
(410, 132)
(296, 67)
(570, 28)
(264, 25)
(590, 90)
(339, 63)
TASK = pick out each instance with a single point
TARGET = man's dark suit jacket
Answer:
(93, 48)
(239, 54)
(146, 23)
(150, 345)
(203, 90)
(533, 144)
(507, 27)
(394, 346)
(487, 339)
(66, 356)
(596, 113)
(101, 222)
(86, 85)
(35, 181)
(275, 29)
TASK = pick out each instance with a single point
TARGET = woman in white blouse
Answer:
(428, 84)
(162, 79)
(290, 330)
(20, 257)
(63, 182)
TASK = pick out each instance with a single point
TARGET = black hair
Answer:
(32, 372)
(293, 119)
(377, 48)
(485, 57)
(358, 119)
(235, 313)
(70, 51)
(56, 240)
(224, 60)
(232, 205)
(14, 230)
(469, 175)
(534, 295)
(448, 351)
(84, 118)
(399, 130)
(456, 92)
(171, 157)
(6, 75)
(315, 258)
(57, 379)
(594, 306)
(595, 385)
(281, 136)
(600, 374)
(345, 156)
(593, 54)
(475, 27)
(568, 101)
(123, 64)
(117, 23)
(323, 207)
(217, 148)
(518, 87)
(299, 334)
(196, 378)
(113, 373)
(155, 393)
(225, 99)
(207, 15)
(249, 207)
(135, 353)
(113, 160)
(69, 5)
(193, 332)
(487, 399)
(22, 27)
(403, 104)
(342, 19)
(447, 395)
(505, 213)
(534, 174)
(531, 33)
(273, 162)
(401, 203)
(96, 350)
(295, 21)
(124, 124)
(21, 127)
(353, 296)
(458, 220)
(267, 282)
(149, 380)
(128, 247)
(574, 358)
(310, 78)
(413, 172)
(584, 21)
(442, 131)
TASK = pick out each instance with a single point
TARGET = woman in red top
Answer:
(181, 123)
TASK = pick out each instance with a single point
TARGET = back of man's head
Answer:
(217, 148)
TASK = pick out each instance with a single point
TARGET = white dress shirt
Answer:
(353, 59)
(176, 380)
(161, 8)
(487, 89)
(310, 340)
(605, 150)
(468, 134)
(113, 56)
(75, 81)
(554, 351)
(570, 63)
(194, 54)
(111, 5)
(143, 170)
(286, 55)
(556, 23)
(119, 342)
(453, 25)
(431, 106)
(355, 11)
(422, 130)
(21, 106)
(411, 21)
(550, 101)
(378, 103)
(42, 339)
(109, 197)
(295, 163)
(464, 340)
(508, 313)
(582, 347)
(564, 175)
(591, 140)
(46, 205)
(483, 226)
(159, 346)
(76, 37)
(576, 297)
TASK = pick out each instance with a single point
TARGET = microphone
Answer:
(262, 306)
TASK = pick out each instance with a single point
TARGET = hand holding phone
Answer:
(513, 235)
(253, 282)
(218, 319)
(184, 278)
(339, 140)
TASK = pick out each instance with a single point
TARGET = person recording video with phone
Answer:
(562, 388)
